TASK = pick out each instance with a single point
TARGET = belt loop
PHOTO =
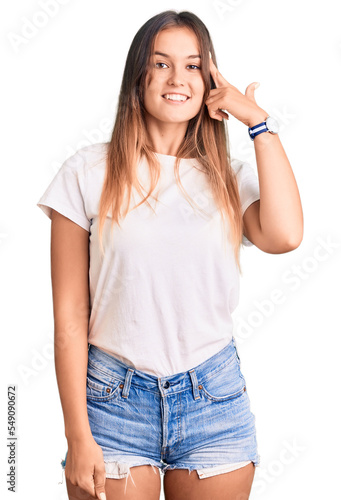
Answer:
(129, 374)
(194, 379)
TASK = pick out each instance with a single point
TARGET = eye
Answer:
(192, 66)
(160, 63)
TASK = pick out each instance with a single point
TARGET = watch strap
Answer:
(257, 129)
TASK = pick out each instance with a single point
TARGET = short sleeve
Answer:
(248, 184)
(66, 192)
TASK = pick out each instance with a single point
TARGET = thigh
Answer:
(179, 484)
(143, 483)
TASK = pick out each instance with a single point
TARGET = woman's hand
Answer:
(85, 467)
(227, 97)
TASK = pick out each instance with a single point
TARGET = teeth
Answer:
(175, 97)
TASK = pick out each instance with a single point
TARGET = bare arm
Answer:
(70, 289)
(275, 222)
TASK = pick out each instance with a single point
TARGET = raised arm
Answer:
(275, 222)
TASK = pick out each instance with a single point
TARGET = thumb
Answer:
(250, 89)
(99, 483)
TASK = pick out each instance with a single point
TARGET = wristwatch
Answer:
(269, 125)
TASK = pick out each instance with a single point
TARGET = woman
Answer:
(146, 362)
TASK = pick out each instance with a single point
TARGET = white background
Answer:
(59, 92)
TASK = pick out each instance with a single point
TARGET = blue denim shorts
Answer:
(195, 420)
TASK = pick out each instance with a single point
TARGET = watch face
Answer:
(272, 125)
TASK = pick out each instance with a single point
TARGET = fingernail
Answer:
(102, 496)
(210, 55)
(257, 85)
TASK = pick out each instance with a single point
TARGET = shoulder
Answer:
(87, 156)
(93, 151)
(79, 168)
(242, 168)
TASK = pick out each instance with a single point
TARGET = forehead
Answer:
(176, 41)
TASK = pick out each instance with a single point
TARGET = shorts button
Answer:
(121, 386)
(166, 385)
(108, 389)
(200, 386)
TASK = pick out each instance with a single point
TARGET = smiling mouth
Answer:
(179, 99)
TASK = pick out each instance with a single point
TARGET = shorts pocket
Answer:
(227, 383)
(100, 386)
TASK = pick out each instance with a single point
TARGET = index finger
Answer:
(218, 78)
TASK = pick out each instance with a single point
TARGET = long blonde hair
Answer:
(206, 139)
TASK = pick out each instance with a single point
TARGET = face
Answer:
(174, 73)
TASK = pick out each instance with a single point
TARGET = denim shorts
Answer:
(195, 420)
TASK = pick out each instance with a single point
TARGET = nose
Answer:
(176, 77)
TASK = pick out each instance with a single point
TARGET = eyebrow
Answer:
(195, 56)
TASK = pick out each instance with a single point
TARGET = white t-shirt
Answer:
(162, 296)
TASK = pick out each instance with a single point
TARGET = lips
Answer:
(175, 93)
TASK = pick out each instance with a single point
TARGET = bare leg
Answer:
(179, 484)
(143, 483)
